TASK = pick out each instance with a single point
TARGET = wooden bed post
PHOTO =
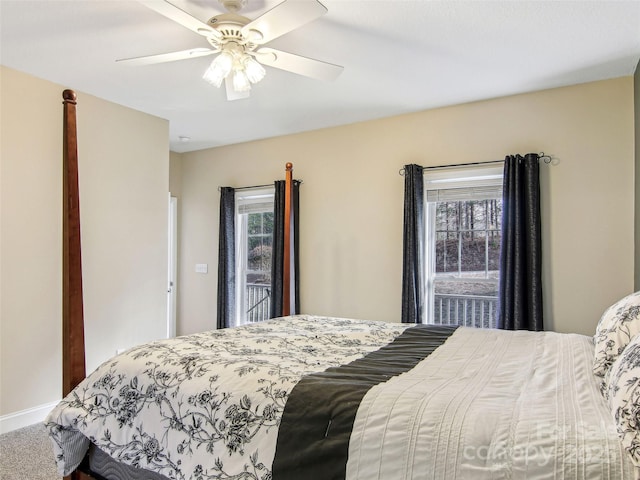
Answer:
(288, 217)
(73, 361)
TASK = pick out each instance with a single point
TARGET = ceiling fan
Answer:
(238, 42)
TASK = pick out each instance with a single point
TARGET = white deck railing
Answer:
(258, 302)
(468, 310)
(449, 309)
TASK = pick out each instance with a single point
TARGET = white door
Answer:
(172, 267)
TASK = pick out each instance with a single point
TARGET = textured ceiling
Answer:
(399, 56)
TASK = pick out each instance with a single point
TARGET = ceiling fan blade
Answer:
(298, 64)
(232, 94)
(180, 16)
(282, 18)
(168, 57)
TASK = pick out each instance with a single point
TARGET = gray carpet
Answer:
(26, 454)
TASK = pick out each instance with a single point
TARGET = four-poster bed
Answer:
(73, 364)
(309, 397)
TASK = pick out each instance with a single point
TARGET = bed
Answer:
(313, 397)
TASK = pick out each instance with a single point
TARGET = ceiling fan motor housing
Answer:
(230, 27)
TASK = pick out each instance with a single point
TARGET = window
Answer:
(463, 229)
(254, 240)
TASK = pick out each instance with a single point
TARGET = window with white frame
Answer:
(463, 231)
(254, 240)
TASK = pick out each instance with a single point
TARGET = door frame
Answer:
(172, 266)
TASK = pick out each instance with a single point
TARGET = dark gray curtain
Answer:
(413, 245)
(277, 252)
(520, 292)
(226, 259)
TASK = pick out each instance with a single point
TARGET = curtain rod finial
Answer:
(545, 158)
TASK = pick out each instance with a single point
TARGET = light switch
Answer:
(202, 268)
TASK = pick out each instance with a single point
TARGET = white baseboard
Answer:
(24, 418)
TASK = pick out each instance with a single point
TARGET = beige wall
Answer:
(175, 174)
(351, 200)
(124, 179)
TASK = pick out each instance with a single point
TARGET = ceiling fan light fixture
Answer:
(219, 69)
(255, 72)
(241, 81)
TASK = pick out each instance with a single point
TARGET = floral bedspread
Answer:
(205, 406)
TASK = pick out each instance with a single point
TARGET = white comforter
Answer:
(487, 404)
(490, 404)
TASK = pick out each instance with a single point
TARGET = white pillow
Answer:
(623, 395)
(617, 326)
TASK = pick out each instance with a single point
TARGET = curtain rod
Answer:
(545, 158)
(249, 187)
(256, 186)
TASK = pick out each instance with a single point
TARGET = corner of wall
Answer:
(636, 116)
